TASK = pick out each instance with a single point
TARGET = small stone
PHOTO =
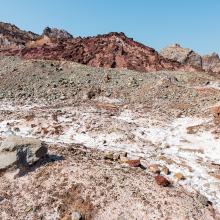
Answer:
(179, 176)
(76, 216)
(91, 94)
(109, 156)
(63, 97)
(16, 129)
(162, 181)
(167, 146)
(116, 156)
(123, 159)
(165, 170)
(133, 163)
(154, 168)
(123, 154)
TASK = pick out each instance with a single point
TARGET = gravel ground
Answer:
(98, 188)
(31, 81)
(162, 118)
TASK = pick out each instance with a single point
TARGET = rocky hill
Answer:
(12, 37)
(113, 50)
(209, 63)
(120, 144)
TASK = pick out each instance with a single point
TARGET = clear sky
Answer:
(156, 23)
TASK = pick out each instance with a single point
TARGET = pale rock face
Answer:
(12, 37)
(208, 63)
(20, 151)
(56, 33)
(182, 55)
(211, 63)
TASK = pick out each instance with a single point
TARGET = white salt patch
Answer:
(145, 131)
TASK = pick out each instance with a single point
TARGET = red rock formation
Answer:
(113, 50)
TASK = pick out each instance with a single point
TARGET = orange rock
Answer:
(133, 163)
(179, 176)
(162, 181)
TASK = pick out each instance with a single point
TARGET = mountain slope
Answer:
(12, 37)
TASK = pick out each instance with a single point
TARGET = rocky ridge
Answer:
(113, 50)
(12, 37)
(56, 33)
(209, 63)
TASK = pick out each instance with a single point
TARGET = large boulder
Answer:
(19, 151)
(182, 55)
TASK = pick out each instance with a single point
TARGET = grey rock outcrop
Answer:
(56, 33)
(19, 151)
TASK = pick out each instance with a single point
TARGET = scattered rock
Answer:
(133, 163)
(216, 114)
(1, 198)
(21, 151)
(91, 94)
(162, 181)
(109, 156)
(154, 168)
(179, 176)
(116, 156)
(76, 216)
(123, 159)
(165, 170)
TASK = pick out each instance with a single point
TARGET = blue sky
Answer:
(156, 23)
